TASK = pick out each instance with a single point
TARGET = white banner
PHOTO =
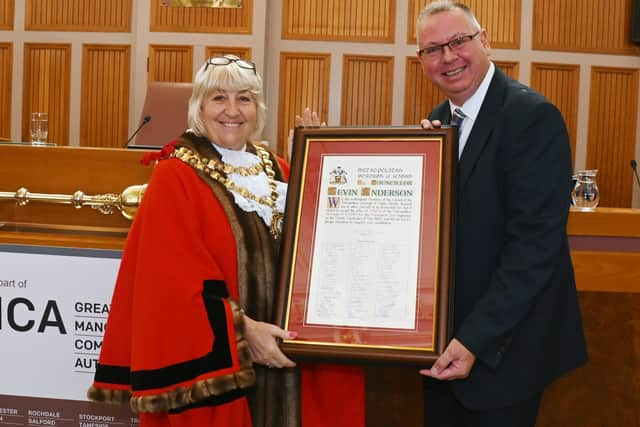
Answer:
(54, 305)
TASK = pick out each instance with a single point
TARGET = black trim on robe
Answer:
(213, 294)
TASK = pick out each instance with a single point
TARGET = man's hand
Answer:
(428, 124)
(455, 363)
(263, 343)
(307, 119)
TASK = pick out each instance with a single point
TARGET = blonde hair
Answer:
(229, 77)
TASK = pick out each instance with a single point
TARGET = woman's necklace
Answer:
(227, 168)
(214, 169)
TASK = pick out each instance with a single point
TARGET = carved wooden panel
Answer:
(597, 26)
(46, 88)
(393, 396)
(612, 132)
(420, 95)
(6, 75)
(105, 95)
(77, 15)
(304, 82)
(6, 14)
(355, 20)
(596, 395)
(501, 19)
(367, 90)
(560, 84)
(170, 63)
(201, 19)
(510, 68)
(241, 52)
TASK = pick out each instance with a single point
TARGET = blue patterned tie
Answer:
(457, 117)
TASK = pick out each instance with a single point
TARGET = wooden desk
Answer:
(606, 249)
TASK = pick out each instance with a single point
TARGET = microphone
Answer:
(634, 166)
(145, 120)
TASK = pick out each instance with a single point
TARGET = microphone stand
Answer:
(145, 120)
(634, 166)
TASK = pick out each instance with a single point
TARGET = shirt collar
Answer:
(471, 107)
(237, 158)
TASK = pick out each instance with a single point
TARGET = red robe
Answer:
(174, 347)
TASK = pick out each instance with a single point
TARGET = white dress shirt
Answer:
(471, 108)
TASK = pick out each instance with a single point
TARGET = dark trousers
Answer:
(442, 409)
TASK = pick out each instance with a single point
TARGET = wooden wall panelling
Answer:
(170, 63)
(560, 83)
(355, 20)
(6, 14)
(367, 90)
(420, 95)
(78, 15)
(612, 132)
(46, 88)
(6, 76)
(598, 26)
(510, 68)
(415, 7)
(501, 19)
(304, 82)
(105, 95)
(201, 19)
(213, 51)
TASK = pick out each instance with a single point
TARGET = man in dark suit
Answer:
(516, 317)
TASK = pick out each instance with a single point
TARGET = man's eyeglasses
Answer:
(228, 59)
(438, 49)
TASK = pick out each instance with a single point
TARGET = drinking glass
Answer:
(39, 128)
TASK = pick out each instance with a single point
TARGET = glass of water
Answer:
(39, 128)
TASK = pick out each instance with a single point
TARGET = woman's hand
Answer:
(263, 343)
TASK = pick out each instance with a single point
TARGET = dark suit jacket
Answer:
(516, 305)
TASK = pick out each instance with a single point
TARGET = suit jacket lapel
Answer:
(489, 116)
(441, 112)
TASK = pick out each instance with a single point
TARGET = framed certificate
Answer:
(366, 267)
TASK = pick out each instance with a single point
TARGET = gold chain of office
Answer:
(214, 169)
